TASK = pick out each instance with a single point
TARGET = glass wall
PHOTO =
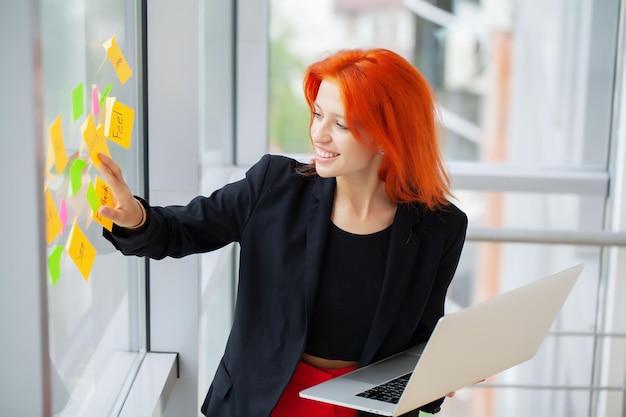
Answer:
(92, 103)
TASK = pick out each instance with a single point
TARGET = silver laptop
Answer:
(465, 347)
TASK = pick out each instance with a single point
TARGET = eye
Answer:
(341, 126)
(317, 115)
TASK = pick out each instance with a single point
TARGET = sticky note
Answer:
(117, 60)
(105, 198)
(104, 95)
(95, 101)
(78, 102)
(118, 126)
(80, 250)
(92, 197)
(53, 221)
(95, 141)
(63, 215)
(76, 176)
(54, 264)
(58, 145)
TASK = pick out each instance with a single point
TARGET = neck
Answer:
(363, 208)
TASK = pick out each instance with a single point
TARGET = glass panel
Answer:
(512, 402)
(512, 78)
(216, 146)
(532, 211)
(567, 356)
(488, 269)
(96, 310)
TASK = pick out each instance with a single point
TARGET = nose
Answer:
(320, 132)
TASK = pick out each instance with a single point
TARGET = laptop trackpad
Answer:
(385, 370)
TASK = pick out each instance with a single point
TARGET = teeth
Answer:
(325, 154)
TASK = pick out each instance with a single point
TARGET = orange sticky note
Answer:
(105, 197)
(80, 250)
(58, 145)
(94, 139)
(117, 60)
(53, 220)
(118, 125)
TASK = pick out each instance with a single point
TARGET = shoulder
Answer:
(271, 164)
(449, 216)
(277, 172)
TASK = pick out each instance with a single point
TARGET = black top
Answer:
(351, 280)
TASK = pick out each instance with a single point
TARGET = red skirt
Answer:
(290, 403)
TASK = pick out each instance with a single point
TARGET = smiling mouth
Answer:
(326, 154)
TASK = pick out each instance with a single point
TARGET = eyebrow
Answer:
(338, 116)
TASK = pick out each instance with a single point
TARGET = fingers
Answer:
(128, 211)
(111, 172)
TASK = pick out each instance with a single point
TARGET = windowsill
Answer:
(152, 386)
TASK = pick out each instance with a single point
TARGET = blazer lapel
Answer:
(318, 218)
(403, 247)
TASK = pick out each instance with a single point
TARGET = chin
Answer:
(323, 171)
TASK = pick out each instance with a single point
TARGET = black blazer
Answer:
(280, 219)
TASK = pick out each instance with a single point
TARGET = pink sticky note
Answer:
(63, 215)
(95, 101)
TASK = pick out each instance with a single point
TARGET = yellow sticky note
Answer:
(94, 139)
(53, 220)
(118, 125)
(80, 250)
(58, 145)
(117, 60)
(105, 197)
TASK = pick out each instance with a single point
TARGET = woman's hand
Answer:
(128, 212)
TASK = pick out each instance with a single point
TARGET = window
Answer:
(96, 310)
(526, 95)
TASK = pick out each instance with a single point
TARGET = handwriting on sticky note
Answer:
(54, 225)
(58, 145)
(78, 104)
(105, 197)
(54, 264)
(117, 60)
(80, 250)
(118, 125)
(94, 139)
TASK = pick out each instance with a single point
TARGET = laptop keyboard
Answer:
(388, 392)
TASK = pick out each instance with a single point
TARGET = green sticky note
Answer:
(92, 197)
(104, 95)
(76, 176)
(54, 264)
(78, 101)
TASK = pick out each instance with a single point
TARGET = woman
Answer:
(344, 261)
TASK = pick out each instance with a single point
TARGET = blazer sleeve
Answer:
(204, 224)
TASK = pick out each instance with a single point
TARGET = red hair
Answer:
(393, 108)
